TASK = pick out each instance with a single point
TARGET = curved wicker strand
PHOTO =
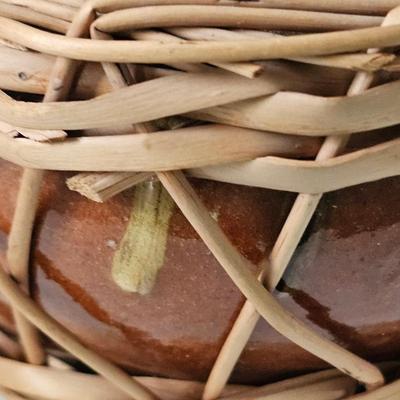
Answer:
(274, 266)
(341, 115)
(150, 100)
(46, 7)
(33, 17)
(356, 61)
(249, 70)
(231, 17)
(366, 165)
(378, 7)
(43, 382)
(164, 53)
(362, 166)
(311, 115)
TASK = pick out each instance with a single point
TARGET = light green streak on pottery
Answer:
(141, 252)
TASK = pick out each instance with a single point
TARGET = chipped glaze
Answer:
(344, 279)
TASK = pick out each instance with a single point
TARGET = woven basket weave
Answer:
(213, 61)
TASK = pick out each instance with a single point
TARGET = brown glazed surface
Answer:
(344, 280)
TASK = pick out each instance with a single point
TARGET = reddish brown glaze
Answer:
(344, 280)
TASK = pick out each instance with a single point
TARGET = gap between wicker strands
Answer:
(274, 266)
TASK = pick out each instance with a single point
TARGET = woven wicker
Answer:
(212, 58)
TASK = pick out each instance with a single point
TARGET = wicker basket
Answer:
(207, 72)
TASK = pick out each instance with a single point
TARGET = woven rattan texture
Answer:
(268, 77)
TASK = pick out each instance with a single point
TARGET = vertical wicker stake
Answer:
(274, 267)
(19, 243)
(59, 86)
(18, 253)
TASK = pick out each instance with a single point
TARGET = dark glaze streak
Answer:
(320, 315)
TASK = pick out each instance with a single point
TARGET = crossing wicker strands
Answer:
(235, 265)
(247, 142)
(374, 109)
(248, 70)
(273, 267)
(136, 103)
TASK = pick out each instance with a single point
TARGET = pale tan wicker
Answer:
(216, 49)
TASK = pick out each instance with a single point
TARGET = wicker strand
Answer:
(60, 82)
(336, 115)
(31, 311)
(232, 17)
(357, 61)
(248, 70)
(164, 53)
(366, 165)
(273, 267)
(19, 242)
(234, 101)
(18, 252)
(33, 70)
(378, 7)
(238, 269)
(171, 97)
(236, 266)
(24, 14)
(46, 7)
